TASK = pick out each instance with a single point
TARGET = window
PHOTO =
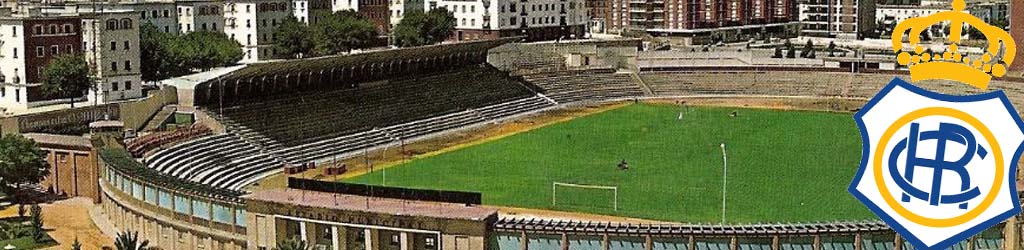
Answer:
(17, 95)
(113, 86)
(111, 24)
(113, 66)
(430, 242)
(15, 53)
(204, 27)
(69, 49)
(14, 31)
(54, 50)
(128, 65)
(68, 28)
(143, 15)
(40, 51)
(53, 29)
(128, 85)
(113, 45)
(127, 45)
(126, 23)
(37, 29)
(215, 26)
(167, 13)
(396, 239)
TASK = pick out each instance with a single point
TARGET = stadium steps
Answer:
(351, 144)
(159, 118)
(219, 160)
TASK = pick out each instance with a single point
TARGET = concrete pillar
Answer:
(970, 243)
(734, 243)
(648, 242)
(692, 244)
(334, 238)
(525, 240)
(898, 243)
(372, 236)
(341, 238)
(858, 242)
(817, 242)
(775, 243)
(565, 242)
(1011, 233)
(405, 239)
(303, 232)
(605, 242)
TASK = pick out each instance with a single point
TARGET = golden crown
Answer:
(952, 65)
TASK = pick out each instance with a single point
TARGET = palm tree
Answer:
(130, 241)
(292, 244)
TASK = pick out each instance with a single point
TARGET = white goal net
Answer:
(583, 195)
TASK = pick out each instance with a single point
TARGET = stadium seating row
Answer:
(230, 162)
(222, 161)
(302, 119)
(567, 86)
(776, 83)
(139, 146)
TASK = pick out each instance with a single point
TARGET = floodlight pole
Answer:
(725, 169)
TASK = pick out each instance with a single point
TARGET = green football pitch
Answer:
(782, 166)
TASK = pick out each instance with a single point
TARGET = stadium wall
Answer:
(63, 121)
(169, 216)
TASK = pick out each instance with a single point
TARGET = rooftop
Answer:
(61, 140)
(372, 205)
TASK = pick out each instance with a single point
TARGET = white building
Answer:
(163, 15)
(200, 16)
(890, 15)
(252, 23)
(29, 40)
(535, 19)
(111, 46)
(846, 19)
(399, 8)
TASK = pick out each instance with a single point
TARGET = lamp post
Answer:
(725, 168)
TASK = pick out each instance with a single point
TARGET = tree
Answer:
(790, 50)
(204, 50)
(156, 64)
(808, 49)
(130, 241)
(67, 76)
(341, 32)
(21, 161)
(418, 28)
(37, 223)
(292, 39)
(165, 55)
(831, 48)
(292, 244)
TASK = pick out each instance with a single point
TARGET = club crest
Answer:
(938, 168)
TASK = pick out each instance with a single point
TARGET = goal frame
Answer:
(614, 189)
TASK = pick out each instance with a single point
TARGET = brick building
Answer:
(31, 40)
(702, 21)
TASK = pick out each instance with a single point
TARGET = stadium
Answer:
(504, 145)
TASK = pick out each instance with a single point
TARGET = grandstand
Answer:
(285, 113)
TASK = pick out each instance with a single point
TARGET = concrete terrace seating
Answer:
(586, 85)
(307, 118)
(222, 161)
(353, 143)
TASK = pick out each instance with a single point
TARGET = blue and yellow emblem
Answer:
(939, 168)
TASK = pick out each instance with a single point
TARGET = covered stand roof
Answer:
(362, 59)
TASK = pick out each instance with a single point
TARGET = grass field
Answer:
(783, 166)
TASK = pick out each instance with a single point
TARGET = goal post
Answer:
(613, 189)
